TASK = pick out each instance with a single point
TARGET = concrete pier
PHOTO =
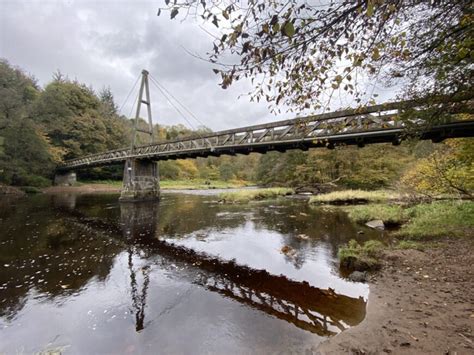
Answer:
(68, 178)
(141, 181)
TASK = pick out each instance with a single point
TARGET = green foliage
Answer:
(361, 257)
(30, 189)
(372, 167)
(389, 214)
(425, 220)
(226, 171)
(448, 169)
(439, 219)
(280, 168)
(39, 128)
(77, 121)
(169, 170)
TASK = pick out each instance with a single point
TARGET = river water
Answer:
(85, 274)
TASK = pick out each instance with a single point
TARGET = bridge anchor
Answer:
(68, 178)
(141, 181)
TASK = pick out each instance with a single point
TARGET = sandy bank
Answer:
(419, 303)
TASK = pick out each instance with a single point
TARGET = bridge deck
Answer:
(374, 124)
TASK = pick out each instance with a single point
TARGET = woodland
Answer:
(42, 126)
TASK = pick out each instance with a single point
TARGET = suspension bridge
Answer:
(366, 125)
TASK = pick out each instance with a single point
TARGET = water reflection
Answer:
(60, 249)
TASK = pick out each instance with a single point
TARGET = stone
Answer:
(376, 224)
(141, 181)
(288, 251)
(67, 178)
(358, 276)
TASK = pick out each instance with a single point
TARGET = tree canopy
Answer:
(40, 127)
(302, 53)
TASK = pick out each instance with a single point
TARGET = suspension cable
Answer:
(165, 95)
(128, 96)
(157, 83)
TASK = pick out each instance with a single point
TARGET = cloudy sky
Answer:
(108, 42)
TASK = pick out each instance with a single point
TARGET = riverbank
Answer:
(420, 302)
(10, 191)
(114, 186)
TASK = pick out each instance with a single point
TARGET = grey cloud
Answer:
(107, 43)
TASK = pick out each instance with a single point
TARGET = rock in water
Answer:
(358, 276)
(289, 251)
(376, 224)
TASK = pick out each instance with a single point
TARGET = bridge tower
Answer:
(140, 176)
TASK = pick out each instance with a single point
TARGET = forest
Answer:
(43, 126)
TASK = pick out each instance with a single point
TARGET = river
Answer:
(85, 274)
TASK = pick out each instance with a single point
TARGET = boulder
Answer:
(376, 224)
(358, 276)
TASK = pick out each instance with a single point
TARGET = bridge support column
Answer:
(141, 181)
(65, 179)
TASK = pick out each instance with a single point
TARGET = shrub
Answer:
(360, 257)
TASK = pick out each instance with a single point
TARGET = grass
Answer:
(354, 196)
(409, 244)
(367, 256)
(195, 184)
(30, 189)
(425, 220)
(360, 257)
(201, 184)
(438, 219)
(389, 214)
(256, 194)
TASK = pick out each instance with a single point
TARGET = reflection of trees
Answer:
(183, 214)
(329, 226)
(320, 311)
(47, 250)
(85, 239)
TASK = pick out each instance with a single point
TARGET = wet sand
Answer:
(419, 303)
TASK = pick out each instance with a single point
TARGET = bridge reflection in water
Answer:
(323, 312)
(129, 274)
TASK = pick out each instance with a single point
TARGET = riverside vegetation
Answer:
(419, 226)
(42, 126)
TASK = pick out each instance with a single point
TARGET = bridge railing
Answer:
(310, 128)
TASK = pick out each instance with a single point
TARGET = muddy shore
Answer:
(84, 189)
(419, 303)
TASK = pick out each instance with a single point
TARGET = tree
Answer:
(300, 53)
(17, 92)
(226, 171)
(449, 169)
(77, 120)
(25, 151)
(108, 107)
